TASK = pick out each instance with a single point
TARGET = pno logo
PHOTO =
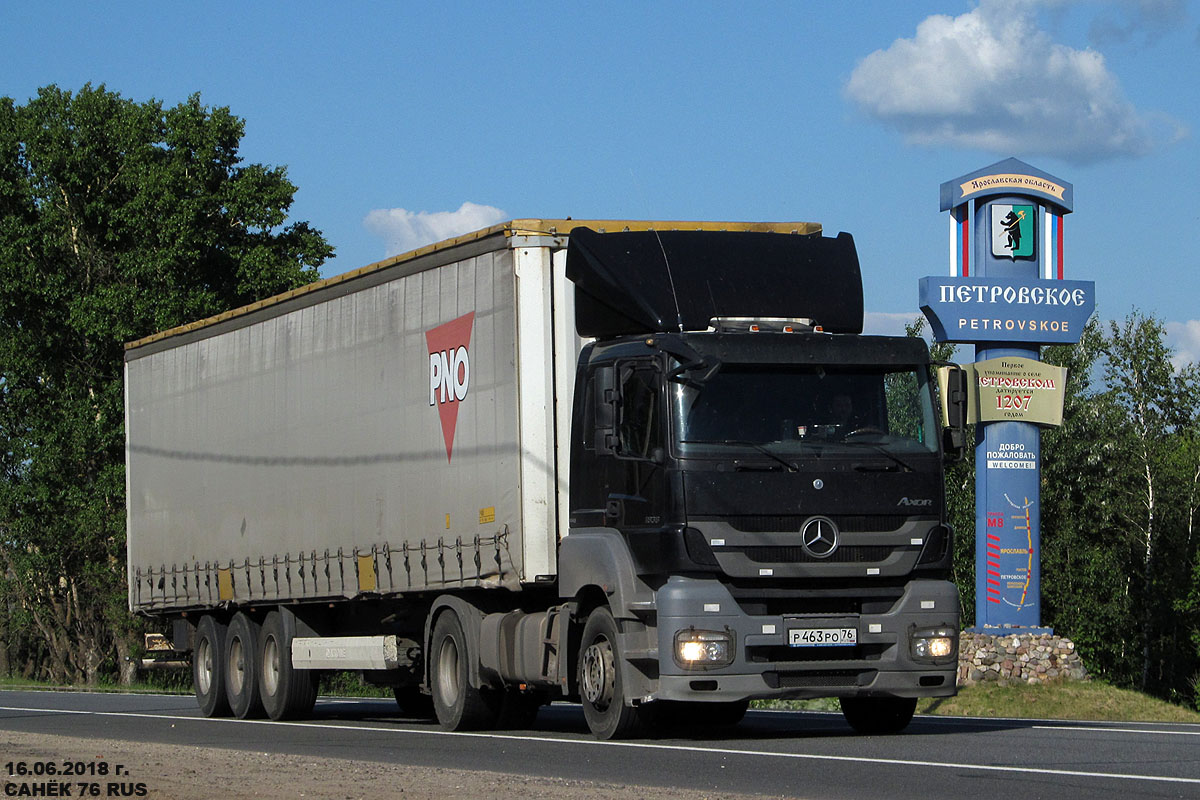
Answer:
(449, 371)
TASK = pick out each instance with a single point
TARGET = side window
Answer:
(903, 405)
(641, 411)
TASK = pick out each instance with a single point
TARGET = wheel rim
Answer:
(447, 678)
(237, 666)
(598, 676)
(204, 666)
(270, 665)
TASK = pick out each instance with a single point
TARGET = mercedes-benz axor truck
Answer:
(652, 468)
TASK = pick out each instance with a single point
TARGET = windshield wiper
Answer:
(747, 443)
(878, 448)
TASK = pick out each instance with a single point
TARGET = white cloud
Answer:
(403, 230)
(1184, 339)
(991, 79)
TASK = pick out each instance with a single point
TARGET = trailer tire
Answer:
(286, 692)
(208, 668)
(241, 667)
(459, 706)
(878, 715)
(601, 689)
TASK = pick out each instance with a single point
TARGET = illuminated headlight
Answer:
(934, 644)
(702, 649)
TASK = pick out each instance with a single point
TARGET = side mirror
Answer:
(608, 403)
(953, 380)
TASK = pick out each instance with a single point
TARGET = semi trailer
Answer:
(652, 468)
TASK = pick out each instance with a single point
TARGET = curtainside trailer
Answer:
(653, 468)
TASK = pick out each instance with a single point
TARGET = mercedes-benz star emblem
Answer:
(819, 536)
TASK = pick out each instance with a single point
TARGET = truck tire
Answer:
(208, 668)
(459, 706)
(241, 670)
(878, 715)
(601, 689)
(286, 693)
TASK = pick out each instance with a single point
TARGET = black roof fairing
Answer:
(634, 282)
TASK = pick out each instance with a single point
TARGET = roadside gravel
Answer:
(202, 773)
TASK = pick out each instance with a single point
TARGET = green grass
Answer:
(1076, 700)
(340, 684)
(161, 684)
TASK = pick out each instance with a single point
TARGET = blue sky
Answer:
(403, 123)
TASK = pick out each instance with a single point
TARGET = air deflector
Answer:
(624, 280)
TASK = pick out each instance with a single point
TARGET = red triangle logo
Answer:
(449, 371)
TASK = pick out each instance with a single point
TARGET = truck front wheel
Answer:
(241, 670)
(459, 705)
(208, 662)
(878, 715)
(286, 693)
(601, 689)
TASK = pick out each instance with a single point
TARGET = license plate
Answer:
(822, 637)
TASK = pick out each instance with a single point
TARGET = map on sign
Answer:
(1021, 522)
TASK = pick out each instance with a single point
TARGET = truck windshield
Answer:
(787, 408)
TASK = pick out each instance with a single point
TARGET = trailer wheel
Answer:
(459, 705)
(241, 672)
(600, 687)
(878, 715)
(208, 661)
(286, 692)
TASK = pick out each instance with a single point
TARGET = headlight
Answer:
(937, 645)
(703, 649)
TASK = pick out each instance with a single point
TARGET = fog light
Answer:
(703, 649)
(934, 644)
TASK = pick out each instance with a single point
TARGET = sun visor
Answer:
(633, 282)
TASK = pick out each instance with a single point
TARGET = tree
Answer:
(1119, 501)
(117, 219)
(960, 495)
(1156, 406)
(1085, 553)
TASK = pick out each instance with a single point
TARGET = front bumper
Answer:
(765, 666)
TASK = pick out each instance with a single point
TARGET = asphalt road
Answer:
(793, 754)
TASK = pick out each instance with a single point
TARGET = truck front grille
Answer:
(782, 654)
(819, 680)
(792, 554)
(861, 523)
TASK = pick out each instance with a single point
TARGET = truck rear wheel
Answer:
(241, 670)
(459, 705)
(286, 692)
(208, 662)
(601, 689)
(878, 715)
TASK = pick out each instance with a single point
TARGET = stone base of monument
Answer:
(1014, 658)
